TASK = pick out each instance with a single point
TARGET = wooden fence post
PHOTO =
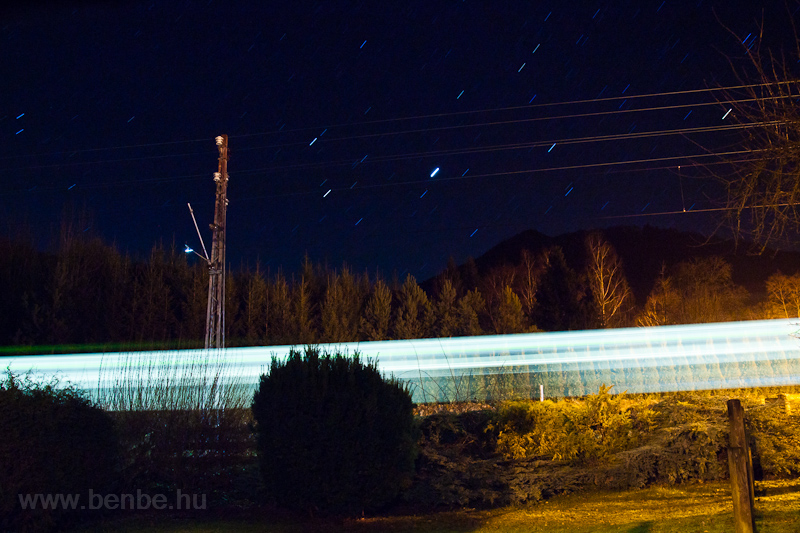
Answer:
(741, 469)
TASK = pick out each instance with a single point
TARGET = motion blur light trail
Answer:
(670, 358)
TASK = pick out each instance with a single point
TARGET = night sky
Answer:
(340, 113)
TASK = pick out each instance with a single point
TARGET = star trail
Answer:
(387, 136)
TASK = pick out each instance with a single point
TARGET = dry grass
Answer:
(705, 508)
(156, 381)
(182, 421)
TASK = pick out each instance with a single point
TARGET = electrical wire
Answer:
(435, 115)
(414, 155)
(528, 106)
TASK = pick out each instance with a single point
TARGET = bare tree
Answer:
(662, 304)
(698, 291)
(783, 296)
(529, 273)
(707, 291)
(762, 180)
(494, 283)
(607, 282)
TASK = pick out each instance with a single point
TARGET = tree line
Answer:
(87, 291)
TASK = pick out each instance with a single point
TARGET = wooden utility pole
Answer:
(215, 313)
(740, 463)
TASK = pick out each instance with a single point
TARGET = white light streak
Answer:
(435, 171)
(669, 358)
(726, 114)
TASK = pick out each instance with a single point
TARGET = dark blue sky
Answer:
(114, 106)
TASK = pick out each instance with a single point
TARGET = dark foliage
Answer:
(775, 436)
(54, 441)
(457, 465)
(194, 451)
(558, 301)
(332, 434)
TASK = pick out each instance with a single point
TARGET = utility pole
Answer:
(215, 314)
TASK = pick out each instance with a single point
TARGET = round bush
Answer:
(333, 435)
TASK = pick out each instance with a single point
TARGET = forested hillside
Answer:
(87, 291)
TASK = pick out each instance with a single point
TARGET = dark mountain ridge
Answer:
(644, 250)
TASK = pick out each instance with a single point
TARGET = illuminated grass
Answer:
(103, 347)
(703, 508)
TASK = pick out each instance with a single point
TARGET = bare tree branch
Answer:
(762, 190)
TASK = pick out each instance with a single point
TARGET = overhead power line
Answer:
(456, 151)
(515, 146)
(528, 106)
(433, 115)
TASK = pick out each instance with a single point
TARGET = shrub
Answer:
(54, 441)
(332, 434)
(581, 432)
(691, 440)
(456, 464)
(777, 440)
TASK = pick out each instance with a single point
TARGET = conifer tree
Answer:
(279, 311)
(557, 305)
(415, 314)
(470, 277)
(377, 313)
(196, 303)
(255, 308)
(445, 311)
(469, 308)
(302, 329)
(153, 314)
(453, 273)
(341, 308)
(507, 315)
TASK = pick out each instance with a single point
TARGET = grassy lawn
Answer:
(691, 508)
